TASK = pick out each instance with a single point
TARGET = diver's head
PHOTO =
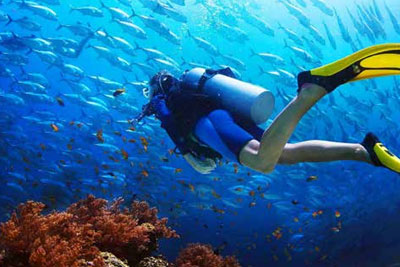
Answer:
(159, 84)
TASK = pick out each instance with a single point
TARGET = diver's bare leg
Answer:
(265, 156)
(322, 151)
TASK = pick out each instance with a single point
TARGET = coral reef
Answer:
(78, 235)
(199, 255)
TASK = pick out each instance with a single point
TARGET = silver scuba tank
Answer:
(240, 98)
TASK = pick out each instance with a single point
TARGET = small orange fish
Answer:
(99, 136)
(145, 173)
(314, 214)
(178, 170)
(337, 214)
(236, 168)
(170, 151)
(124, 154)
(296, 219)
(71, 123)
(335, 229)
(215, 194)
(220, 211)
(277, 233)
(60, 101)
(113, 159)
(252, 204)
(239, 189)
(80, 125)
(144, 141)
(191, 187)
(119, 92)
(252, 193)
(317, 249)
(42, 146)
(54, 127)
(312, 178)
(320, 212)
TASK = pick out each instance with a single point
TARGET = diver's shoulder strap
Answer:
(209, 73)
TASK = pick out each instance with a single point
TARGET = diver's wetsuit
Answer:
(183, 112)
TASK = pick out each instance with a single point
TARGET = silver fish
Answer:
(88, 11)
(131, 28)
(39, 10)
(116, 13)
(25, 23)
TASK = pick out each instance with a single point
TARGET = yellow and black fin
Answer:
(371, 62)
(380, 155)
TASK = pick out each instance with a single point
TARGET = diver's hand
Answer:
(205, 166)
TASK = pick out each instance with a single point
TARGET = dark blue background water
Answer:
(61, 167)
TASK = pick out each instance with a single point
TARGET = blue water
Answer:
(60, 167)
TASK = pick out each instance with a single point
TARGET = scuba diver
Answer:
(210, 114)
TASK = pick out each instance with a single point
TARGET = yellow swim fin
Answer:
(374, 61)
(380, 155)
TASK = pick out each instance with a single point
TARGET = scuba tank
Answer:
(240, 98)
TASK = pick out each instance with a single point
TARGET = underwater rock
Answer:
(153, 262)
(112, 261)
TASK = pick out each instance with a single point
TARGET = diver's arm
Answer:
(168, 122)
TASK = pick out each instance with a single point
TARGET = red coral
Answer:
(79, 234)
(198, 255)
